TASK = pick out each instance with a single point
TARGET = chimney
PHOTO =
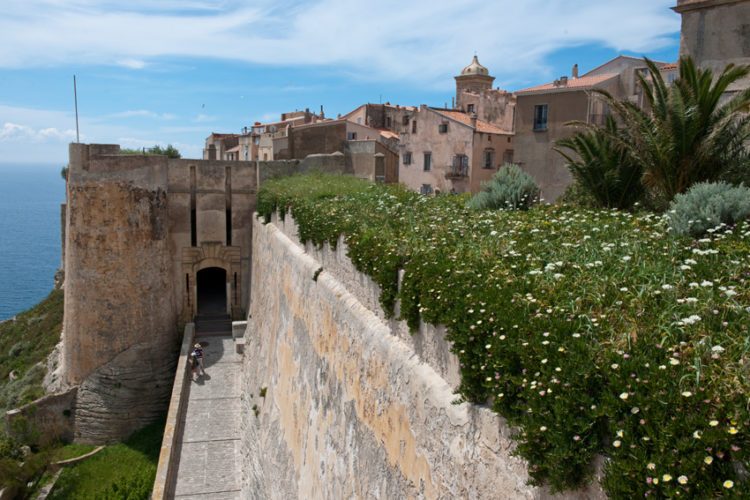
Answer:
(563, 81)
(453, 103)
(574, 73)
(322, 113)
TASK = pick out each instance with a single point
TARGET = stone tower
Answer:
(473, 78)
(716, 33)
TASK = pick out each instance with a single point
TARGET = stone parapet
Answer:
(337, 403)
(166, 471)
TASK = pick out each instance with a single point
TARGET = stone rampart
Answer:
(350, 405)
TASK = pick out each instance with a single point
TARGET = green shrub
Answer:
(509, 189)
(707, 207)
(603, 166)
(688, 132)
(592, 332)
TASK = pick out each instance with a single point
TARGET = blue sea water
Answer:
(30, 198)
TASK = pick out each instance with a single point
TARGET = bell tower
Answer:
(474, 78)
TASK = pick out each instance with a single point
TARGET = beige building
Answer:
(446, 150)
(543, 112)
(716, 33)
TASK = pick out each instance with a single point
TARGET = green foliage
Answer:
(25, 344)
(686, 134)
(593, 332)
(707, 207)
(169, 151)
(509, 189)
(121, 471)
(64, 172)
(603, 166)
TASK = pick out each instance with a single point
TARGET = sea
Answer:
(30, 198)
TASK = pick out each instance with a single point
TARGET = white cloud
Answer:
(132, 63)
(144, 113)
(419, 40)
(203, 118)
(14, 132)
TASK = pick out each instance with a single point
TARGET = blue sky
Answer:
(169, 71)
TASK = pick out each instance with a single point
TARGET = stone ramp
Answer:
(208, 464)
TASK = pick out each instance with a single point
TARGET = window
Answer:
(351, 136)
(405, 120)
(407, 158)
(414, 126)
(470, 108)
(426, 189)
(508, 156)
(443, 128)
(427, 162)
(489, 158)
(540, 117)
(460, 167)
(387, 122)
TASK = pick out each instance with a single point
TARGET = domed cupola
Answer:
(475, 68)
(474, 79)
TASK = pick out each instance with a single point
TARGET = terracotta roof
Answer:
(464, 118)
(235, 149)
(582, 83)
(668, 67)
(388, 134)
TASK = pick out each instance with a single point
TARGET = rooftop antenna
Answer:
(75, 97)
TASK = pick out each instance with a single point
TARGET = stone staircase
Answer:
(207, 325)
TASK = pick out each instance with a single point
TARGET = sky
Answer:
(173, 71)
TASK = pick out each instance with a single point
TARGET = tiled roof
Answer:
(668, 67)
(461, 117)
(582, 83)
(235, 149)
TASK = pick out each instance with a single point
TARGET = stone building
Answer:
(368, 151)
(544, 111)
(474, 94)
(151, 243)
(447, 150)
(716, 33)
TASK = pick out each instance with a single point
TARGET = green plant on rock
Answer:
(603, 166)
(509, 189)
(707, 207)
(687, 133)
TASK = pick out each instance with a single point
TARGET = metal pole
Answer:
(75, 96)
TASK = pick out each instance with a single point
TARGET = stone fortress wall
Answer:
(355, 406)
(138, 230)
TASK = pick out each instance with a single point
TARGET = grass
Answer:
(121, 471)
(594, 332)
(25, 344)
(72, 450)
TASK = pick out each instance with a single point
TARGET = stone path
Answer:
(209, 452)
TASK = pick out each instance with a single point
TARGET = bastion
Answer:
(151, 243)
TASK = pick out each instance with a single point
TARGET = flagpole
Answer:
(75, 97)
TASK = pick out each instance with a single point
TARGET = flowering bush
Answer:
(509, 189)
(708, 207)
(593, 332)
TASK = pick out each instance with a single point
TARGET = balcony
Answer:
(457, 172)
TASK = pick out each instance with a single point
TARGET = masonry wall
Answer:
(354, 406)
(120, 316)
(716, 33)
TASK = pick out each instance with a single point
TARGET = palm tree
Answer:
(603, 166)
(686, 134)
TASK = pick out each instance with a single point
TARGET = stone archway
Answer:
(211, 291)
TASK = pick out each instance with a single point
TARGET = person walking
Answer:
(196, 358)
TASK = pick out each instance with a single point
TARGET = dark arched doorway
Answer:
(212, 291)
